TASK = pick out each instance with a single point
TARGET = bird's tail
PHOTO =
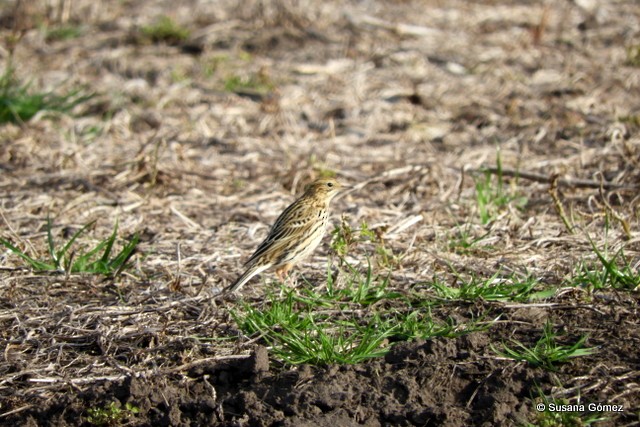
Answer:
(246, 276)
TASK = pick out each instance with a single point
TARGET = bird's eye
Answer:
(329, 184)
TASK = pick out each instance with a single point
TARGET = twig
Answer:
(553, 192)
(189, 222)
(15, 411)
(403, 225)
(76, 381)
(411, 169)
(398, 28)
(548, 305)
(565, 182)
(614, 213)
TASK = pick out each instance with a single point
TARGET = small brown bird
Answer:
(296, 233)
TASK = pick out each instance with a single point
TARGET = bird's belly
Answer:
(311, 246)
(305, 247)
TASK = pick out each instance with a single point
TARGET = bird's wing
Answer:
(287, 228)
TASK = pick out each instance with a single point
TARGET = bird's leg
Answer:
(283, 272)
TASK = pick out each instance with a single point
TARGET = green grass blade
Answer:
(51, 244)
(107, 250)
(73, 238)
(35, 264)
(62, 252)
(83, 263)
(129, 249)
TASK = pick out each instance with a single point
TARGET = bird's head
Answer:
(323, 188)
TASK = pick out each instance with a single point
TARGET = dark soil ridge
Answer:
(432, 382)
(438, 382)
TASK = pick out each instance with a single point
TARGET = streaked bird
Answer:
(296, 233)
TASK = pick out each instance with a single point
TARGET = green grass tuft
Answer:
(62, 32)
(111, 414)
(18, 103)
(258, 83)
(165, 30)
(546, 352)
(97, 260)
(495, 288)
(463, 241)
(337, 325)
(633, 55)
(492, 195)
(607, 271)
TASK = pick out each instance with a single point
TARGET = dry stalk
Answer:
(553, 192)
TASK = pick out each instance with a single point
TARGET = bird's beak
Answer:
(344, 187)
(343, 190)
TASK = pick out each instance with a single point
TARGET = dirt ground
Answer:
(198, 144)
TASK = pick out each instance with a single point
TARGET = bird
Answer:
(295, 234)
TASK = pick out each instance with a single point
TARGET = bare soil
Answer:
(199, 144)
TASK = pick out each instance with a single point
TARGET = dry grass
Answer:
(408, 102)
